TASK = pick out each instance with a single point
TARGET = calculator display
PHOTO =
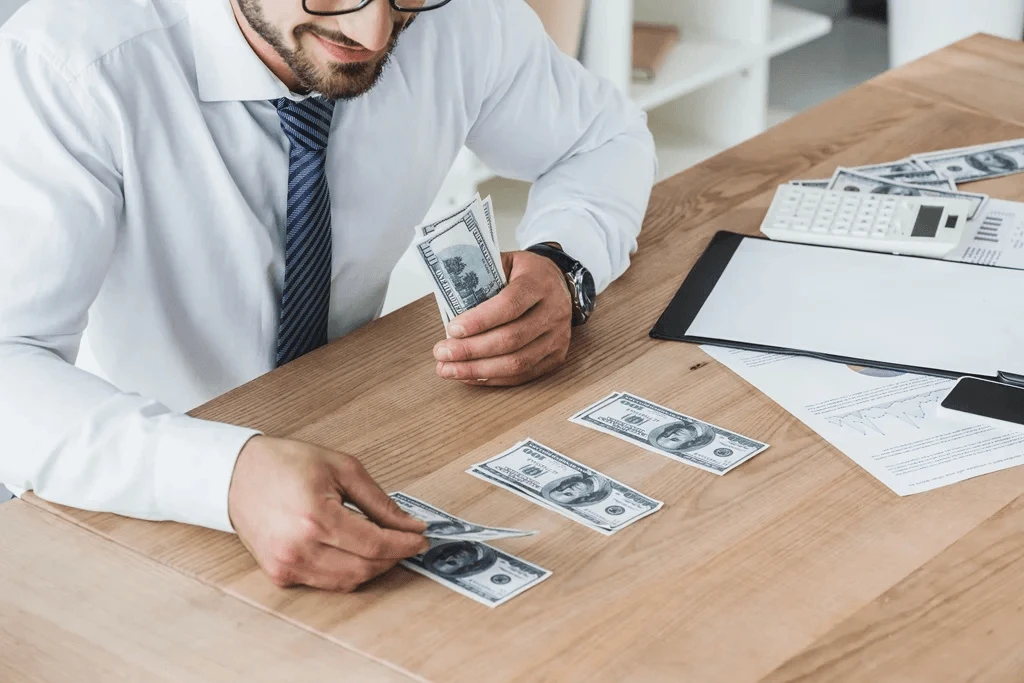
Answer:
(928, 219)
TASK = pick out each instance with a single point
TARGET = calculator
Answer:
(915, 226)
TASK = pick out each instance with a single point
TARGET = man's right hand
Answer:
(286, 503)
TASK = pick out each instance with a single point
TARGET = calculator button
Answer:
(780, 225)
(841, 229)
(801, 224)
(878, 231)
(821, 226)
(884, 227)
(859, 231)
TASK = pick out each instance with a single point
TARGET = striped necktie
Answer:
(306, 296)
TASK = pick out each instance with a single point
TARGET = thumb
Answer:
(359, 487)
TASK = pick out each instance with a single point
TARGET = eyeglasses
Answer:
(334, 8)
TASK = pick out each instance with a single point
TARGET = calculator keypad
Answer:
(854, 214)
(860, 220)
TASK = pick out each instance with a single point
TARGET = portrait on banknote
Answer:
(459, 559)
(577, 489)
(682, 436)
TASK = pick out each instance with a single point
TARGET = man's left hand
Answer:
(519, 335)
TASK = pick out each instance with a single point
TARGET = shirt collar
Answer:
(227, 69)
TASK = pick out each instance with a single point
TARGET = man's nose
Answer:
(371, 26)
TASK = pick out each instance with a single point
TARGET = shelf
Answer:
(693, 64)
(679, 148)
(793, 27)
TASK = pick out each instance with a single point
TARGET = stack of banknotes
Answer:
(462, 258)
(461, 556)
(935, 174)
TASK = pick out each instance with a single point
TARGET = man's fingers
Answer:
(500, 341)
(336, 570)
(361, 490)
(511, 303)
(522, 362)
(357, 535)
(542, 368)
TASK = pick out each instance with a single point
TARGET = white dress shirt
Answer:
(143, 186)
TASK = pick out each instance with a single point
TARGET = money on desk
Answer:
(442, 526)
(474, 569)
(941, 170)
(849, 180)
(666, 432)
(559, 483)
(971, 164)
(461, 255)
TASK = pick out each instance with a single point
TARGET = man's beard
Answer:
(343, 81)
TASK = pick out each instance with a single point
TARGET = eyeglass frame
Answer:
(364, 4)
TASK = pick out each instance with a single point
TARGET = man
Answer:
(221, 186)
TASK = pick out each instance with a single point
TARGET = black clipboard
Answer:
(674, 323)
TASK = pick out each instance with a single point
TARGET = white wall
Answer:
(7, 8)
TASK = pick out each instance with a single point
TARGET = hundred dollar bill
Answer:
(852, 181)
(476, 570)
(664, 431)
(901, 167)
(921, 179)
(977, 163)
(461, 264)
(570, 488)
(446, 527)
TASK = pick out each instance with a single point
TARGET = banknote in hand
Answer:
(461, 255)
(442, 526)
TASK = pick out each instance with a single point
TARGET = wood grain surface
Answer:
(76, 608)
(796, 566)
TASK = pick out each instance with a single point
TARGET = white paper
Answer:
(995, 237)
(884, 421)
(845, 303)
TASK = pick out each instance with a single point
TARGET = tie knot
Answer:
(306, 123)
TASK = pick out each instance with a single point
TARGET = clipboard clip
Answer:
(1012, 379)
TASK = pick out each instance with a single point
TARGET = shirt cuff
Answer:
(194, 463)
(579, 236)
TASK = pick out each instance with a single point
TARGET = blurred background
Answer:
(713, 73)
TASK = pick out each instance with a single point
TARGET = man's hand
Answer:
(286, 501)
(517, 336)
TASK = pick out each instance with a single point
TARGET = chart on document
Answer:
(885, 421)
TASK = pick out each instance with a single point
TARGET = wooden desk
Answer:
(797, 566)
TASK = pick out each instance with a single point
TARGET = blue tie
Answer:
(306, 297)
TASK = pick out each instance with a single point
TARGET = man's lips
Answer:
(345, 54)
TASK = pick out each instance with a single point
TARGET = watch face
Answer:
(586, 292)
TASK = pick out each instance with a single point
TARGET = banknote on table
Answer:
(664, 431)
(847, 180)
(559, 483)
(820, 184)
(971, 164)
(477, 570)
(891, 168)
(920, 179)
(442, 526)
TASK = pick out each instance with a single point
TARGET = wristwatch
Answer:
(579, 279)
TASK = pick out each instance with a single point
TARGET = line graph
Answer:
(910, 411)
